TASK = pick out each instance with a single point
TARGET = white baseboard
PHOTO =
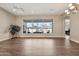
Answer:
(4, 36)
(4, 39)
(76, 41)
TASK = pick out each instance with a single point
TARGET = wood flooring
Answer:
(39, 47)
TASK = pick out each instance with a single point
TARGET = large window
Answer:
(37, 26)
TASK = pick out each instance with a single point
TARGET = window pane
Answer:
(38, 27)
(29, 24)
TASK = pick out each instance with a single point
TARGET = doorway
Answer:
(67, 28)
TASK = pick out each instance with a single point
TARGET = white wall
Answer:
(6, 19)
(74, 27)
(58, 28)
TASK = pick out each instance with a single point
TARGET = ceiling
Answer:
(35, 8)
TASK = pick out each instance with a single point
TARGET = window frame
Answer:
(38, 20)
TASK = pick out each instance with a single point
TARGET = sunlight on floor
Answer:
(67, 36)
